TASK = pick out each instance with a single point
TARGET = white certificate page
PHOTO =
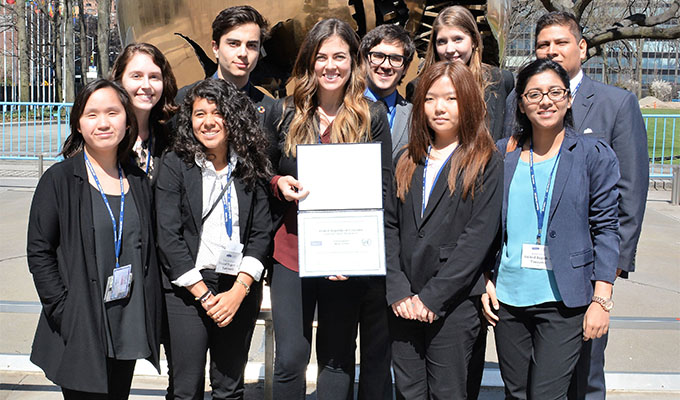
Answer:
(340, 176)
(341, 243)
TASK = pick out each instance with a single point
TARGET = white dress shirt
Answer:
(214, 233)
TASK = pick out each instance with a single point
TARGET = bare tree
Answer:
(84, 54)
(661, 23)
(22, 37)
(103, 34)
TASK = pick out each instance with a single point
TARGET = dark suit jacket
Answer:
(582, 220)
(70, 341)
(613, 115)
(179, 206)
(400, 125)
(440, 256)
(495, 95)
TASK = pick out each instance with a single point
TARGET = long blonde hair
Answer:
(461, 18)
(352, 123)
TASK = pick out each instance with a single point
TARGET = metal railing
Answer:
(663, 144)
(33, 129)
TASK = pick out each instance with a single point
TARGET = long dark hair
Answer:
(475, 146)
(244, 135)
(75, 142)
(165, 108)
(523, 128)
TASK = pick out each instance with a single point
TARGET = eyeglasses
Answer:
(555, 94)
(377, 58)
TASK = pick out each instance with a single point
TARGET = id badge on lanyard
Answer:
(537, 255)
(119, 283)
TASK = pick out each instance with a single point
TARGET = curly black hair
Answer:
(244, 134)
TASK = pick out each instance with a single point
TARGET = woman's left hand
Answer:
(422, 313)
(595, 322)
(337, 278)
(226, 305)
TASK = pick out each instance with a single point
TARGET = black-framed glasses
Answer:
(535, 96)
(377, 58)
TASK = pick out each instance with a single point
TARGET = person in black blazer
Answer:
(88, 341)
(327, 106)
(455, 37)
(214, 234)
(441, 221)
(144, 72)
(560, 240)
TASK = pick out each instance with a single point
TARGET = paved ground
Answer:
(643, 356)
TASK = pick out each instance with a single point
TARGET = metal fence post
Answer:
(675, 191)
(40, 165)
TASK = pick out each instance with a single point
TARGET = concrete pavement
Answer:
(643, 356)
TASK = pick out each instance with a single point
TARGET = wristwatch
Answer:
(607, 304)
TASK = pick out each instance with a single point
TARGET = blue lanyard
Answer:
(228, 221)
(540, 212)
(422, 211)
(117, 237)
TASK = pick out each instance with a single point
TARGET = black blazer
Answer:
(179, 205)
(70, 341)
(440, 256)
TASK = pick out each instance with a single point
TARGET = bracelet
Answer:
(203, 297)
(245, 285)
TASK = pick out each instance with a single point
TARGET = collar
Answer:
(245, 89)
(574, 83)
(207, 165)
(390, 99)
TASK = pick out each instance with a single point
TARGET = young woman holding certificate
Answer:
(441, 221)
(560, 240)
(327, 106)
(214, 233)
(92, 254)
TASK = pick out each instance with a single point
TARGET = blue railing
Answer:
(33, 129)
(663, 143)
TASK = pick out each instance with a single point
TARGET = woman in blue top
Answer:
(560, 242)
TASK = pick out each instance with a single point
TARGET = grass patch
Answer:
(664, 128)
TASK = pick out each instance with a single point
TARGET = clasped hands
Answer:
(222, 307)
(411, 307)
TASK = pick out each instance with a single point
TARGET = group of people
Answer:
(172, 207)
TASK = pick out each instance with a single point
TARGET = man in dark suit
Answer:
(388, 51)
(237, 36)
(613, 115)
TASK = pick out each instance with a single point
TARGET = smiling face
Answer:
(332, 66)
(384, 78)
(453, 44)
(237, 53)
(103, 121)
(559, 44)
(547, 114)
(143, 80)
(441, 107)
(208, 125)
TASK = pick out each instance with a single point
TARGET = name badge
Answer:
(536, 256)
(118, 284)
(230, 259)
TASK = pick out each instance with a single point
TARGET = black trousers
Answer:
(538, 347)
(431, 360)
(375, 378)
(587, 382)
(476, 365)
(294, 300)
(119, 376)
(192, 333)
